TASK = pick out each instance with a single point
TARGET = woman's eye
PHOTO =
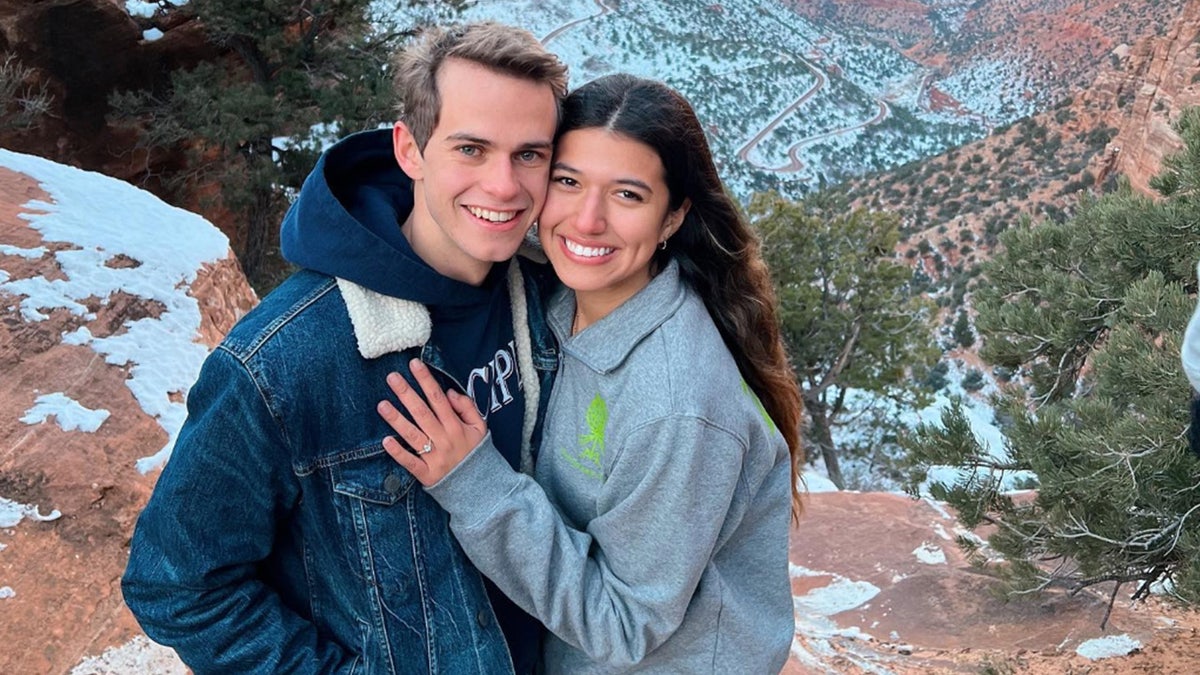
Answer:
(565, 180)
(630, 194)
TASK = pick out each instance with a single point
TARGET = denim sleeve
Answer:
(621, 588)
(191, 580)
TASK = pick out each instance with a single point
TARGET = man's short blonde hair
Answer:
(505, 49)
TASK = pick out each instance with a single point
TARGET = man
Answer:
(280, 536)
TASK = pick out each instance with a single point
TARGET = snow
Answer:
(813, 481)
(139, 655)
(161, 353)
(141, 9)
(840, 596)
(12, 513)
(930, 554)
(151, 34)
(31, 253)
(981, 417)
(7, 592)
(1107, 647)
(814, 611)
(851, 432)
(745, 66)
(69, 413)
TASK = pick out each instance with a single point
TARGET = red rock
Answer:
(64, 573)
(1156, 82)
(927, 617)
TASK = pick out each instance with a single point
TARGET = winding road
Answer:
(604, 9)
(795, 163)
(743, 153)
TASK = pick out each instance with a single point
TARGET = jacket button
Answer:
(483, 618)
(392, 483)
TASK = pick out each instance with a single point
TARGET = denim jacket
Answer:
(281, 537)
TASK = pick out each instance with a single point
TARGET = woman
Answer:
(655, 537)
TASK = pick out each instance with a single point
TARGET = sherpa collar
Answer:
(384, 324)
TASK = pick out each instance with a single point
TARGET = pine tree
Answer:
(849, 316)
(294, 74)
(963, 335)
(1090, 312)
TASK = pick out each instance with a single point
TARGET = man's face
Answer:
(482, 177)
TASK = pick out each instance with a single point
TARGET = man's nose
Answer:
(501, 181)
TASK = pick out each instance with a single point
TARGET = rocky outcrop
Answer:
(83, 51)
(881, 587)
(1158, 77)
(105, 315)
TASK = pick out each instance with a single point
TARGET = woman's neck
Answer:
(593, 305)
(590, 307)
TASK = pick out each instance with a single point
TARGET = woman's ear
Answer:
(675, 219)
(407, 151)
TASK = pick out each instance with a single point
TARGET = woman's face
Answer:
(606, 212)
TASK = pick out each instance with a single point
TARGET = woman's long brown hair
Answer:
(718, 253)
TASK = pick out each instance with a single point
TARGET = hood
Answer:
(346, 223)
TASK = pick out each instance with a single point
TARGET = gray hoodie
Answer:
(655, 538)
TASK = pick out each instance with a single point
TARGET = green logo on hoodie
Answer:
(589, 456)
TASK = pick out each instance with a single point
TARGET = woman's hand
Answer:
(446, 429)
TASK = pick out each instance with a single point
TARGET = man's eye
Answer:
(469, 150)
(529, 156)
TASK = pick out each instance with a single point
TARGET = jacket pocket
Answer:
(373, 496)
(377, 479)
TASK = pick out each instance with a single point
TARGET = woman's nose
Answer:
(590, 217)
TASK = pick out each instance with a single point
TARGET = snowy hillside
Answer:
(787, 103)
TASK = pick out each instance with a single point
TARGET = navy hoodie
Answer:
(346, 224)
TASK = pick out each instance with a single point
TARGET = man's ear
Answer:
(407, 152)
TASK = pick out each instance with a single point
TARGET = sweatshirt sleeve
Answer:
(619, 589)
(1190, 353)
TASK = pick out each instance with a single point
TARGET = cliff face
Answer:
(1120, 123)
(1159, 77)
(83, 51)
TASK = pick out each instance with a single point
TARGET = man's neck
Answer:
(431, 244)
